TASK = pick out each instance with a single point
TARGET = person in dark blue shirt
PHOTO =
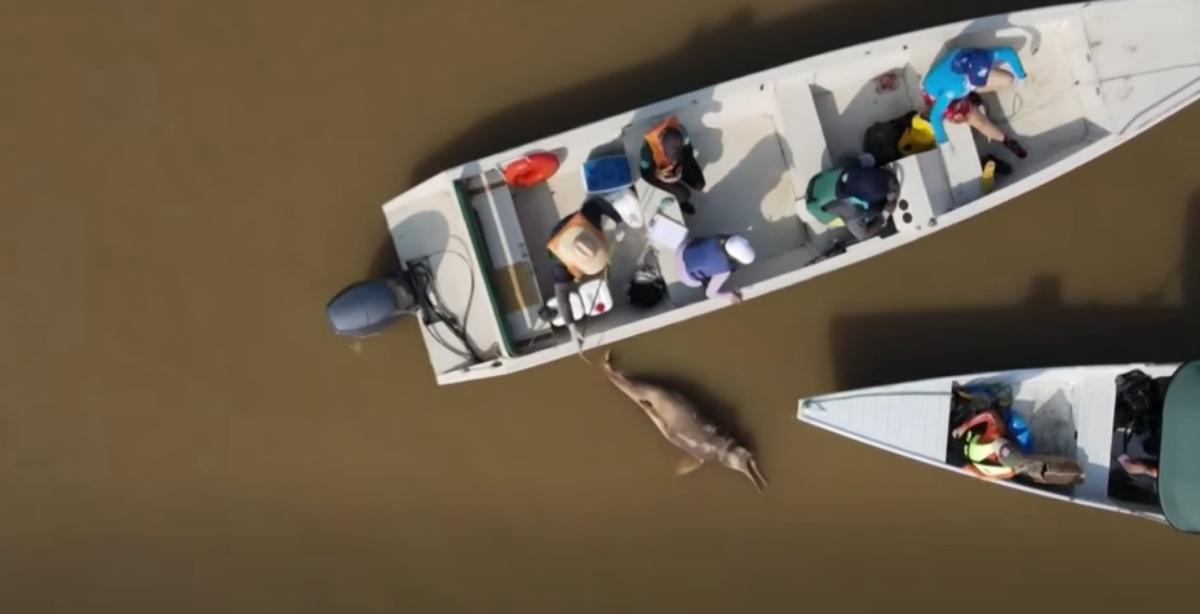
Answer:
(709, 262)
(856, 191)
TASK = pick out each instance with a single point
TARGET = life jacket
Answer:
(528, 171)
(822, 190)
(654, 140)
(706, 258)
(984, 457)
(565, 256)
(917, 137)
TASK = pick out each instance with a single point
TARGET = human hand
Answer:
(735, 297)
(670, 175)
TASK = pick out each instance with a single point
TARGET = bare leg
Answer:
(998, 79)
(980, 122)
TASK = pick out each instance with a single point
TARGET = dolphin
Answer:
(678, 421)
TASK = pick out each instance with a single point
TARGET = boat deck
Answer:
(911, 418)
(430, 226)
(758, 147)
(759, 139)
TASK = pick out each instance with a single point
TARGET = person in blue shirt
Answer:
(953, 85)
(709, 262)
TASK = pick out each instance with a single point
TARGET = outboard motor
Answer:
(370, 306)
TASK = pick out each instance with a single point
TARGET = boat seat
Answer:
(513, 276)
(802, 141)
(961, 161)
(922, 179)
(803, 145)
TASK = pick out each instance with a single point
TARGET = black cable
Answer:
(424, 282)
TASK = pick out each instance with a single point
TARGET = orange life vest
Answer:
(654, 140)
(564, 256)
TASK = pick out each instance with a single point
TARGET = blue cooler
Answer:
(1018, 432)
(607, 174)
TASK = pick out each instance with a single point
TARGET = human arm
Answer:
(563, 282)
(608, 210)
(860, 224)
(1008, 56)
(596, 208)
(983, 417)
(714, 288)
(864, 228)
(937, 117)
(562, 297)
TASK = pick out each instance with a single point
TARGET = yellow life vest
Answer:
(980, 455)
(917, 137)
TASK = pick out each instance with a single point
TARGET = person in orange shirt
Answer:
(668, 162)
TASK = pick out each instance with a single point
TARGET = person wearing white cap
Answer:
(709, 261)
(579, 249)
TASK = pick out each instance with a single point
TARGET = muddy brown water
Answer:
(184, 187)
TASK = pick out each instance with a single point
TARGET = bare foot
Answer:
(1132, 466)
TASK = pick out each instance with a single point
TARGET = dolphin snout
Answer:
(742, 461)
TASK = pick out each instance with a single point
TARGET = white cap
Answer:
(739, 249)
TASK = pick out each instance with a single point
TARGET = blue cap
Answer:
(974, 63)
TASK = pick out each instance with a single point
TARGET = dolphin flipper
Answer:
(687, 465)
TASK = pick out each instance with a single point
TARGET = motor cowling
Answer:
(369, 306)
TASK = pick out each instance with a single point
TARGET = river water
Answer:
(184, 187)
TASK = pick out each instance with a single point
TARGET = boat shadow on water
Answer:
(1040, 330)
(737, 46)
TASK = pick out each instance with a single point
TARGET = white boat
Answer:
(1099, 73)
(1070, 411)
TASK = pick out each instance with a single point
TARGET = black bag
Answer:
(1139, 408)
(647, 288)
(882, 139)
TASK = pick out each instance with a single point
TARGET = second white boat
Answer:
(1092, 415)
